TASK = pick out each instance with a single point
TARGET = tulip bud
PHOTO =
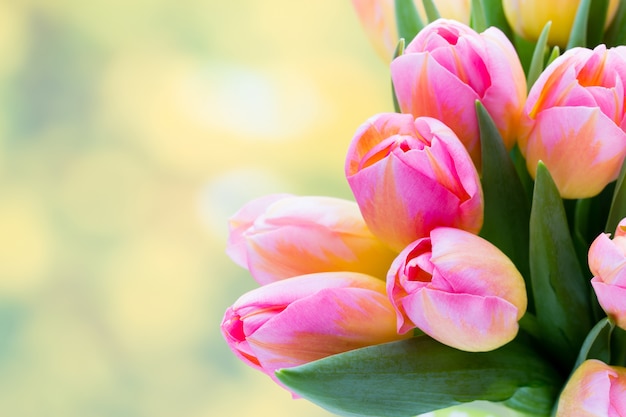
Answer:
(302, 319)
(448, 67)
(528, 17)
(574, 120)
(282, 236)
(607, 262)
(459, 289)
(411, 175)
(378, 18)
(595, 389)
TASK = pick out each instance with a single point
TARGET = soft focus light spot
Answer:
(228, 192)
(106, 192)
(274, 104)
(12, 36)
(153, 294)
(25, 245)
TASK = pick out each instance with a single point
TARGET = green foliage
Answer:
(507, 210)
(560, 289)
(408, 20)
(419, 375)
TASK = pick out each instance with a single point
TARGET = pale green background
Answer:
(129, 132)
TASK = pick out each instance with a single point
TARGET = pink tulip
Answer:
(595, 389)
(459, 289)
(574, 120)
(448, 67)
(411, 175)
(607, 262)
(378, 18)
(282, 236)
(298, 320)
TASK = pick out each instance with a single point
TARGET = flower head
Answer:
(459, 289)
(409, 176)
(448, 67)
(298, 320)
(574, 120)
(281, 236)
(607, 262)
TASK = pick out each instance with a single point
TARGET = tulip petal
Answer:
(464, 321)
(572, 142)
(612, 299)
(425, 88)
(241, 221)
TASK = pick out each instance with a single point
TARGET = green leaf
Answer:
(559, 287)
(618, 347)
(478, 20)
(399, 51)
(407, 19)
(597, 344)
(578, 34)
(507, 211)
(536, 64)
(431, 10)
(616, 32)
(420, 375)
(597, 19)
(494, 16)
(525, 50)
(553, 55)
(618, 205)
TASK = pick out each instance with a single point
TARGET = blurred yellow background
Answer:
(129, 132)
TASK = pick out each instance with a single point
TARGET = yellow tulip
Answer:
(528, 17)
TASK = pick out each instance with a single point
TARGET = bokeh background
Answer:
(129, 132)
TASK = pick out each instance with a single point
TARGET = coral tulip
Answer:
(574, 120)
(595, 389)
(282, 236)
(298, 320)
(459, 289)
(378, 18)
(411, 175)
(607, 262)
(528, 17)
(448, 67)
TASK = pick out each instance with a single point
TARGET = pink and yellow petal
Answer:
(464, 321)
(572, 142)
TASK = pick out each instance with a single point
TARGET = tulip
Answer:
(409, 176)
(459, 289)
(281, 236)
(528, 17)
(448, 67)
(378, 18)
(607, 262)
(302, 319)
(574, 120)
(595, 389)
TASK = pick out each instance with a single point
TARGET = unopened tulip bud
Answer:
(574, 120)
(607, 262)
(595, 389)
(302, 319)
(448, 67)
(282, 236)
(459, 289)
(411, 175)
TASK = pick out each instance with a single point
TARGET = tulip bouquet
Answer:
(484, 256)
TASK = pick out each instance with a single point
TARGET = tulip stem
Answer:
(530, 325)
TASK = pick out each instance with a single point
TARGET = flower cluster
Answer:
(478, 223)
